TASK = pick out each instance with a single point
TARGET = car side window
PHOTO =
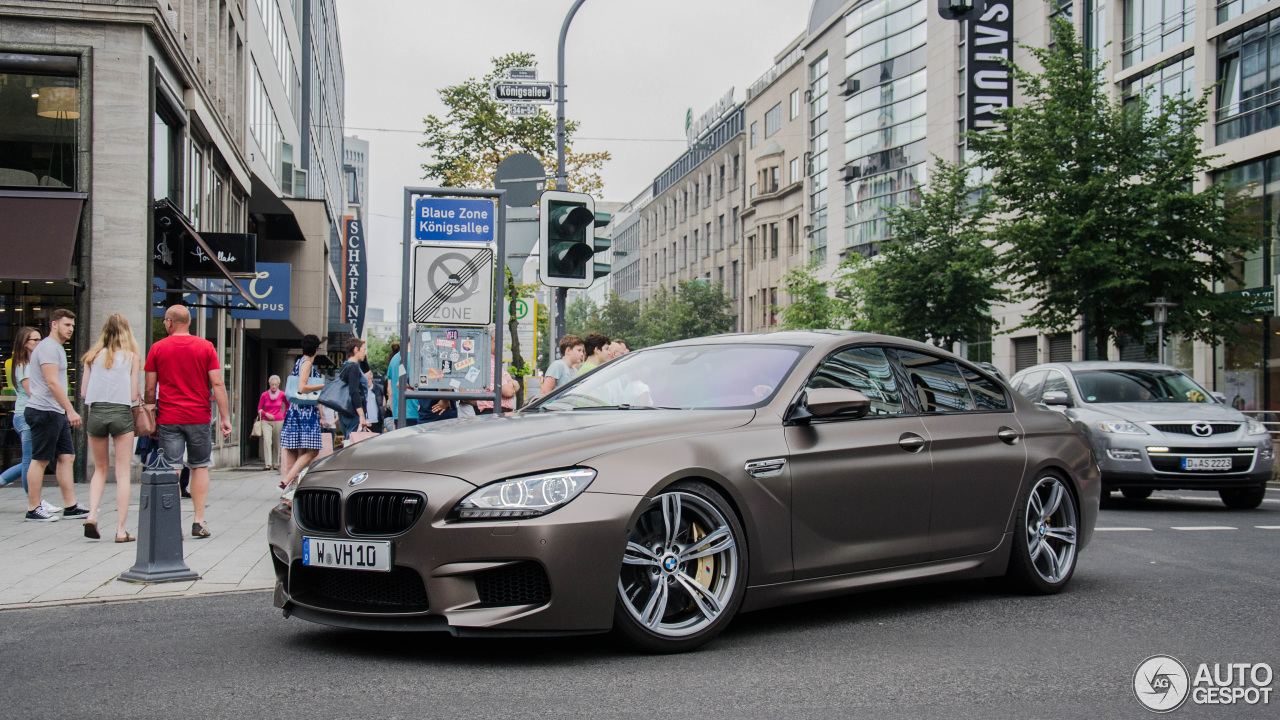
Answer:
(937, 383)
(987, 393)
(1029, 386)
(1055, 382)
(867, 370)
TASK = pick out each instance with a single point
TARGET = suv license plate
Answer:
(1206, 463)
(347, 554)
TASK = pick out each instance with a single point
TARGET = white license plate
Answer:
(347, 554)
(1206, 463)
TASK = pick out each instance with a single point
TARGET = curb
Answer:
(128, 599)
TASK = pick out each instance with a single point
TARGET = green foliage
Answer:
(476, 134)
(1097, 206)
(379, 355)
(938, 276)
(695, 309)
(820, 305)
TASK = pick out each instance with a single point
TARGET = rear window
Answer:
(937, 383)
(987, 393)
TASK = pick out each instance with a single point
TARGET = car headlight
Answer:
(292, 487)
(524, 497)
(1255, 427)
(1121, 427)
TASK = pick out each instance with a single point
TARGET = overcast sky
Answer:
(632, 69)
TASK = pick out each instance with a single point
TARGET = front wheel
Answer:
(1044, 545)
(684, 572)
(1242, 498)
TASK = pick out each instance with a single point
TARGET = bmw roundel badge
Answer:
(357, 479)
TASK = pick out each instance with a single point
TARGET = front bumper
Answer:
(576, 550)
(1155, 460)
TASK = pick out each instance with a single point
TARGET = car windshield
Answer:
(684, 377)
(1119, 386)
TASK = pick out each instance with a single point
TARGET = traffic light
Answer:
(600, 244)
(565, 223)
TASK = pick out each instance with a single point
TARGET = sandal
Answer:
(127, 538)
(200, 530)
(91, 530)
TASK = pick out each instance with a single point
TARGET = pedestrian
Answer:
(562, 371)
(357, 385)
(110, 389)
(184, 369)
(620, 347)
(271, 409)
(509, 389)
(393, 389)
(24, 341)
(50, 415)
(301, 432)
(596, 347)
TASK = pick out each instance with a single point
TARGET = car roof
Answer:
(1097, 365)
(821, 339)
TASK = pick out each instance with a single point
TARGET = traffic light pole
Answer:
(562, 294)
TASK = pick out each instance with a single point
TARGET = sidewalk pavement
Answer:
(54, 564)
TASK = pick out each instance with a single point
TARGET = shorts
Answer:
(196, 440)
(50, 434)
(109, 420)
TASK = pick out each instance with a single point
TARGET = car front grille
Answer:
(1185, 428)
(318, 509)
(376, 512)
(1171, 461)
(400, 590)
(522, 583)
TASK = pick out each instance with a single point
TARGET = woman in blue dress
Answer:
(300, 437)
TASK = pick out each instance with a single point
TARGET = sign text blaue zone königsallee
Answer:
(454, 220)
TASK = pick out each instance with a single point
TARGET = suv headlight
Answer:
(1255, 427)
(525, 497)
(1121, 427)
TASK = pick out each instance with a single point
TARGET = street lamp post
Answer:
(562, 178)
(1161, 308)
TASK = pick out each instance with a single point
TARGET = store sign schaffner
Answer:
(990, 48)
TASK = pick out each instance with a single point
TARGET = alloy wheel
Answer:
(1051, 529)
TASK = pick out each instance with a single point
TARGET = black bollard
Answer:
(159, 528)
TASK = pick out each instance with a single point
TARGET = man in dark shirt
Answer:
(356, 385)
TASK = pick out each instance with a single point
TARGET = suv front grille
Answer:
(522, 583)
(1171, 461)
(1185, 428)
(318, 509)
(376, 512)
(400, 590)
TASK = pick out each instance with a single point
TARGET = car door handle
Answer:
(1008, 435)
(911, 442)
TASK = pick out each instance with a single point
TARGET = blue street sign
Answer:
(270, 289)
(454, 219)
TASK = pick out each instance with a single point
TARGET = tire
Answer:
(1043, 557)
(1136, 493)
(1242, 498)
(677, 589)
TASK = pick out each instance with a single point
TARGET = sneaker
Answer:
(39, 515)
(50, 508)
(76, 513)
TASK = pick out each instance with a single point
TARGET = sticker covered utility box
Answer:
(452, 358)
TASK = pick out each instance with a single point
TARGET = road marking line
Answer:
(1122, 529)
(1268, 527)
(1204, 527)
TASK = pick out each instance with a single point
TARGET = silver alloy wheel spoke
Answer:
(637, 554)
(1065, 534)
(1055, 499)
(1036, 505)
(1034, 546)
(671, 517)
(656, 608)
(711, 544)
(1051, 559)
(705, 601)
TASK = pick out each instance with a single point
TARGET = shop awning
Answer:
(38, 233)
(274, 217)
(172, 230)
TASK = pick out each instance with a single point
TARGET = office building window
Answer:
(39, 121)
(753, 134)
(1154, 26)
(1164, 81)
(793, 107)
(818, 162)
(1249, 77)
(1235, 8)
(773, 120)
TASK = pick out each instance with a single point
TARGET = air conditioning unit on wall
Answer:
(849, 173)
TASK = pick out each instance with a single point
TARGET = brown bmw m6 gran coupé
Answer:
(666, 491)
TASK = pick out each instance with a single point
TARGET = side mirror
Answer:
(1220, 397)
(1056, 397)
(829, 402)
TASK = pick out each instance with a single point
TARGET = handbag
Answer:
(336, 395)
(257, 429)
(144, 421)
(291, 393)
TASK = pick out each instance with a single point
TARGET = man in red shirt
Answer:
(185, 368)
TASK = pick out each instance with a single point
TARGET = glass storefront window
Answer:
(39, 124)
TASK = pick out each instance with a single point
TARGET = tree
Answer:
(819, 305)
(619, 318)
(695, 309)
(937, 277)
(1097, 205)
(581, 316)
(379, 354)
(477, 133)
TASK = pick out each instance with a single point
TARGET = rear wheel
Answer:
(684, 571)
(1043, 557)
(1242, 498)
(1136, 493)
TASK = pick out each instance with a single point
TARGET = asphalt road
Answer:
(952, 650)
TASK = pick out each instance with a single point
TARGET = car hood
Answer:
(1168, 412)
(487, 448)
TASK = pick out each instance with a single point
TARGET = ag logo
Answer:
(1161, 683)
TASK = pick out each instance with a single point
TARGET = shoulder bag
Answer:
(335, 394)
(144, 421)
(292, 395)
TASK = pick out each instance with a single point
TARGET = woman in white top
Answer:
(111, 389)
